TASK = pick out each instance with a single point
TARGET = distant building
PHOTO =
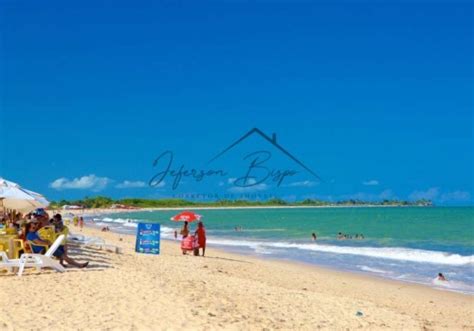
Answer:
(72, 207)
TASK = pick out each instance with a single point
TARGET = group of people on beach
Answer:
(341, 236)
(38, 232)
(192, 242)
(78, 221)
(344, 236)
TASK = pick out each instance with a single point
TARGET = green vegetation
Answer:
(106, 202)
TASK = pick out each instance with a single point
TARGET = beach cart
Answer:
(189, 244)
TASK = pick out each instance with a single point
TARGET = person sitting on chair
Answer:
(39, 246)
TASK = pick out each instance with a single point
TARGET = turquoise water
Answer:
(411, 244)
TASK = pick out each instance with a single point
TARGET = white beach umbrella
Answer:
(13, 196)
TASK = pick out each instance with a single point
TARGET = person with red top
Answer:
(201, 237)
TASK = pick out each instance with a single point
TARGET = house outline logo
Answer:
(273, 141)
(166, 167)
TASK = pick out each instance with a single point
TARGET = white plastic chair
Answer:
(40, 261)
(94, 242)
(86, 241)
(9, 264)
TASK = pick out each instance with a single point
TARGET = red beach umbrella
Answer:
(186, 216)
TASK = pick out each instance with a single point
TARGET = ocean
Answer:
(411, 244)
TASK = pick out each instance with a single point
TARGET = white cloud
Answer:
(363, 196)
(371, 182)
(430, 194)
(246, 189)
(134, 184)
(455, 196)
(90, 182)
(435, 194)
(163, 183)
(305, 183)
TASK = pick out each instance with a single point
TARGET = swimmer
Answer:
(313, 235)
(441, 277)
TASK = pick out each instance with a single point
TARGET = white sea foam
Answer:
(167, 233)
(119, 220)
(263, 250)
(452, 285)
(391, 253)
(369, 269)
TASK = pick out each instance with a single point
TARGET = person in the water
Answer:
(313, 235)
(441, 277)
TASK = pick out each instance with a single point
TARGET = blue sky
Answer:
(375, 98)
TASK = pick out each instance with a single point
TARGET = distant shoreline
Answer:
(99, 211)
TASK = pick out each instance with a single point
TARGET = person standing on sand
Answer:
(60, 229)
(81, 222)
(184, 230)
(186, 243)
(201, 237)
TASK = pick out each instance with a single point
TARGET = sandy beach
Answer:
(316, 151)
(131, 291)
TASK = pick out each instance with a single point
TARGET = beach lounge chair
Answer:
(83, 240)
(38, 261)
(30, 260)
(9, 264)
(94, 242)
